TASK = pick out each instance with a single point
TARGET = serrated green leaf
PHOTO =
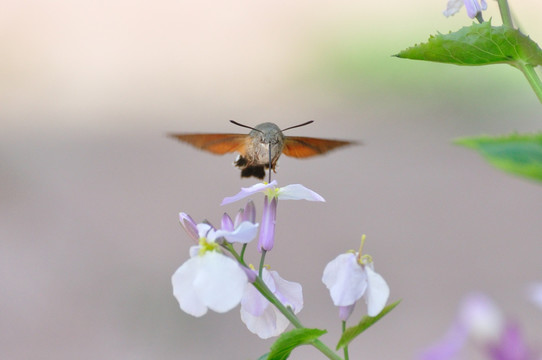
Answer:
(517, 154)
(366, 322)
(478, 44)
(288, 341)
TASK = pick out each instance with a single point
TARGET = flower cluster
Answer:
(217, 277)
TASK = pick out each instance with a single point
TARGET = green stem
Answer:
(243, 251)
(264, 290)
(266, 293)
(262, 259)
(526, 69)
(532, 77)
(346, 346)
(506, 15)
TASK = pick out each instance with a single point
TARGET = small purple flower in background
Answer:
(351, 276)
(210, 279)
(534, 293)
(481, 321)
(474, 8)
(259, 315)
(272, 195)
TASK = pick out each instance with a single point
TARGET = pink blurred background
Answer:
(91, 188)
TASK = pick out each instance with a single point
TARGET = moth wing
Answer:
(302, 147)
(215, 143)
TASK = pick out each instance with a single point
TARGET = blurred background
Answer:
(91, 188)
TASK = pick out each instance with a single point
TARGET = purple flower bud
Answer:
(250, 212)
(227, 223)
(267, 229)
(239, 217)
(189, 225)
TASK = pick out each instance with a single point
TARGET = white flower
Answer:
(260, 316)
(210, 279)
(348, 279)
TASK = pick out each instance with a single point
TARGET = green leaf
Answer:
(264, 356)
(283, 346)
(478, 44)
(367, 321)
(516, 153)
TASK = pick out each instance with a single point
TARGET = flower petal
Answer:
(481, 317)
(288, 292)
(345, 279)
(248, 191)
(449, 346)
(377, 293)
(270, 323)
(243, 234)
(452, 7)
(298, 192)
(220, 282)
(472, 8)
(253, 302)
(194, 250)
(203, 230)
(534, 293)
(511, 345)
(183, 289)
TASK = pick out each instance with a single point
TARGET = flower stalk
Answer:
(527, 69)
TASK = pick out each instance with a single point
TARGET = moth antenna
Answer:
(245, 126)
(296, 126)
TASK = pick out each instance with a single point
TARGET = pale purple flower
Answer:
(349, 277)
(259, 315)
(272, 195)
(482, 322)
(534, 292)
(510, 346)
(482, 319)
(474, 7)
(289, 192)
(449, 346)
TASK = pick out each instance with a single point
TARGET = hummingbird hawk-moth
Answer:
(261, 148)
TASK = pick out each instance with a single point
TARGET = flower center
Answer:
(207, 245)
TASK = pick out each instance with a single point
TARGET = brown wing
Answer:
(302, 147)
(215, 143)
